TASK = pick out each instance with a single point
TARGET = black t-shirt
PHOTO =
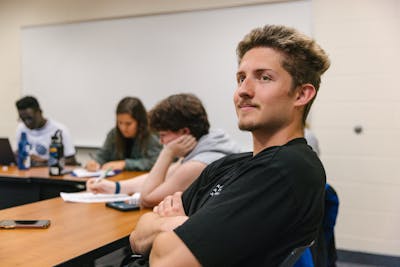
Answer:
(252, 211)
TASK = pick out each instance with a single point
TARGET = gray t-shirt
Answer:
(212, 146)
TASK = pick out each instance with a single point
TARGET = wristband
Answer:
(117, 187)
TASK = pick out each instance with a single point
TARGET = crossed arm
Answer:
(154, 232)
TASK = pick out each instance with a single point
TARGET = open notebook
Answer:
(7, 156)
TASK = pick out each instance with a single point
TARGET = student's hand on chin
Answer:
(182, 145)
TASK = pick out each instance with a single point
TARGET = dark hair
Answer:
(134, 107)
(303, 58)
(180, 111)
(28, 102)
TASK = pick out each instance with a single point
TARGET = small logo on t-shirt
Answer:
(217, 190)
(41, 149)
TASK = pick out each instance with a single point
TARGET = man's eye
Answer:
(240, 79)
(265, 78)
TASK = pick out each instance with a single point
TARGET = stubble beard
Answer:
(252, 126)
(248, 126)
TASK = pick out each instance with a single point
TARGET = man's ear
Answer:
(304, 94)
(185, 130)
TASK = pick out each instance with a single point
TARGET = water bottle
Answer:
(56, 154)
(24, 157)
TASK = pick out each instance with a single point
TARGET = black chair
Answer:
(134, 260)
(295, 255)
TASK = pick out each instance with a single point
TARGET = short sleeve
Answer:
(69, 148)
(208, 157)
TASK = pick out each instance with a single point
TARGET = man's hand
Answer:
(37, 161)
(181, 146)
(103, 186)
(170, 206)
(153, 223)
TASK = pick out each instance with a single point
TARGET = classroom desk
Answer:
(79, 233)
(18, 187)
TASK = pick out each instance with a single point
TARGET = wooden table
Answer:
(79, 233)
(18, 187)
(12, 172)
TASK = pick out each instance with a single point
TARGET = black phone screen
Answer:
(26, 222)
(123, 206)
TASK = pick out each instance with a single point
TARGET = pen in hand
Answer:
(103, 175)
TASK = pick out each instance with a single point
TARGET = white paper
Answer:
(80, 172)
(87, 197)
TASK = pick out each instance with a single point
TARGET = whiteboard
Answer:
(80, 71)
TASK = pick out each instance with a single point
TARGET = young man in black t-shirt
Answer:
(251, 209)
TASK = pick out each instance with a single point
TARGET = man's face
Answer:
(263, 99)
(169, 136)
(32, 118)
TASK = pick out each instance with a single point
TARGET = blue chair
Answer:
(323, 253)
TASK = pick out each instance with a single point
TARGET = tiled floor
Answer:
(345, 264)
(115, 258)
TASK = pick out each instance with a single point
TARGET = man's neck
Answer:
(42, 123)
(263, 139)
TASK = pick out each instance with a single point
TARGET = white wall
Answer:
(362, 37)
(361, 89)
(92, 65)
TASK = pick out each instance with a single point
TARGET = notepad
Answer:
(87, 197)
(81, 172)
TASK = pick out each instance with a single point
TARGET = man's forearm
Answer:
(156, 176)
(169, 250)
(133, 185)
(148, 227)
(142, 237)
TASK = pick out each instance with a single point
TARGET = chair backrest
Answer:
(329, 222)
(295, 255)
(323, 253)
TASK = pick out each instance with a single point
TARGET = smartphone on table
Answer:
(12, 224)
(123, 205)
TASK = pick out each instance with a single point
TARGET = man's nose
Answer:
(246, 88)
(162, 140)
